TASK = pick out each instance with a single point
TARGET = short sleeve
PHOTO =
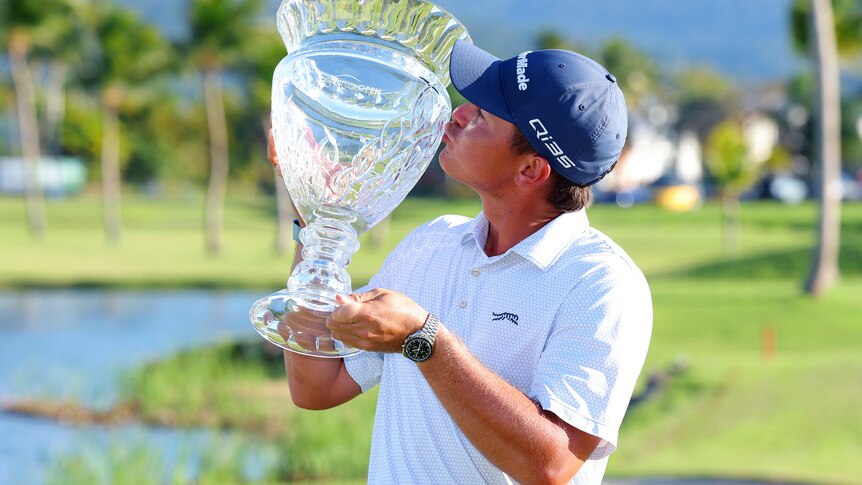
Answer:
(588, 368)
(365, 368)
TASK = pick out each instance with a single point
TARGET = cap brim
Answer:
(476, 75)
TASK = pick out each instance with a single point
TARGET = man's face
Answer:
(478, 149)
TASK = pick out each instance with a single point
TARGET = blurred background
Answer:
(139, 219)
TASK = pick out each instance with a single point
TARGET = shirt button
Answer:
(463, 304)
(475, 273)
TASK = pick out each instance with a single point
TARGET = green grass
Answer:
(163, 243)
(732, 413)
(241, 386)
(231, 386)
(735, 413)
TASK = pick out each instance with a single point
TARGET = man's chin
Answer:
(444, 159)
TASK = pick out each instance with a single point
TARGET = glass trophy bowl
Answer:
(358, 110)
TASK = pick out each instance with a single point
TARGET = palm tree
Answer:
(823, 35)
(219, 39)
(704, 98)
(65, 52)
(28, 25)
(124, 53)
(635, 71)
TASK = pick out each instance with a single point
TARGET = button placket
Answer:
(471, 286)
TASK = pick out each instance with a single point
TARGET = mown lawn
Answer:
(733, 411)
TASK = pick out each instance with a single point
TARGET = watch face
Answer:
(418, 349)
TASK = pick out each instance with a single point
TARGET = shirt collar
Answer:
(544, 246)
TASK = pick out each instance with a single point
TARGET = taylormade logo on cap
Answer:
(521, 71)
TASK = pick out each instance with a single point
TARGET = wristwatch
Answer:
(419, 346)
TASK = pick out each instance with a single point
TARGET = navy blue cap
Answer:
(568, 106)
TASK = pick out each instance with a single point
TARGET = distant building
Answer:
(57, 176)
(689, 159)
(648, 155)
(761, 136)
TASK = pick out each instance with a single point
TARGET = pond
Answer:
(75, 344)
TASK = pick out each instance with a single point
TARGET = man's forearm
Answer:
(317, 383)
(530, 445)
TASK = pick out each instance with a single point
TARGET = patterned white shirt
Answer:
(564, 316)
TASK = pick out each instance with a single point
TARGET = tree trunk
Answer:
(111, 169)
(730, 228)
(55, 107)
(29, 131)
(217, 124)
(827, 148)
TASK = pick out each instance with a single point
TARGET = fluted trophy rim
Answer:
(324, 17)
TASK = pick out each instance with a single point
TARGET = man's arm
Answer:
(315, 383)
(529, 444)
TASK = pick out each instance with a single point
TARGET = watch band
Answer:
(429, 329)
(296, 229)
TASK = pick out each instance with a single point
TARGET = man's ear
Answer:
(534, 170)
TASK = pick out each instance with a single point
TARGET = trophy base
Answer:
(293, 321)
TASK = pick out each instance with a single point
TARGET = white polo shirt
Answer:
(565, 317)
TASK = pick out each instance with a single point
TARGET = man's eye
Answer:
(480, 112)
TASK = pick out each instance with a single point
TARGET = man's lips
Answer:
(446, 128)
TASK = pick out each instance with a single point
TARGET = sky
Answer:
(744, 39)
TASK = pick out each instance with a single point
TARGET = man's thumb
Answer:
(348, 307)
(357, 297)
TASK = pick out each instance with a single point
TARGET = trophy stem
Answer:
(295, 318)
(328, 244)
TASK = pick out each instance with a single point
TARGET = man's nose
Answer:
(461, 114)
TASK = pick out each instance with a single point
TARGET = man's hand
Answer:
(270, 151)
(273, 159)
(306, 328)
(378, 320)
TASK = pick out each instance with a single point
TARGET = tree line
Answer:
(92, 79)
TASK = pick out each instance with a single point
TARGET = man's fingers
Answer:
(270, 150)
(351, 307)
(347, 312)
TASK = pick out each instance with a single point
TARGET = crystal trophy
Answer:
(358, 109)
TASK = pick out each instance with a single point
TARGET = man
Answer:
(506, 347)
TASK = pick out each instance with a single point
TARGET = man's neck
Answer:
(509, 224)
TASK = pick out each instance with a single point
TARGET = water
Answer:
(75, 344)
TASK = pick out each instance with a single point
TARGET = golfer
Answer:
(506, 346)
